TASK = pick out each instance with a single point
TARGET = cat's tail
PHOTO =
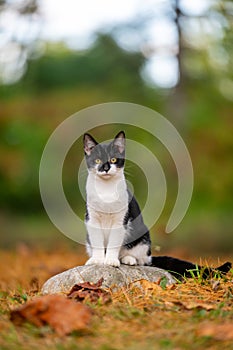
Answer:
(181, 268)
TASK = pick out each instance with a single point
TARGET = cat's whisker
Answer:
(129, 166)
(128, 173)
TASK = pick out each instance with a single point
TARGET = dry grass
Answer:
(193, 315)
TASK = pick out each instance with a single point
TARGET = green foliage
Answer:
(63, 81)
(21, 145)
(104, 64)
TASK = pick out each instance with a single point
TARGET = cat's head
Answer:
(105, 160)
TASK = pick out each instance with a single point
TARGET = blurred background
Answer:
(174, 56)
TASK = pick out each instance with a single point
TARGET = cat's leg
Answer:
(96, 244)
(115, 241)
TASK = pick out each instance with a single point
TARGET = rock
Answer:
(113, 276)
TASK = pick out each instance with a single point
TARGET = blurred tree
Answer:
(19, 27)
(21, 145)
(203, 53)
(104, 67)
(62, 81)
(103, 64)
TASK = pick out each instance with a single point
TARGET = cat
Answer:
(116, 233)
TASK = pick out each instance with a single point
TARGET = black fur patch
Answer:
(133, 222)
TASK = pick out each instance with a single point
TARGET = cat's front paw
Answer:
(94, 261)
(112, 262)
(129, 260)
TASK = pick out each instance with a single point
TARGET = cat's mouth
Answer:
(105, 175)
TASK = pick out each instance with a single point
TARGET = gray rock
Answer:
(112, 276)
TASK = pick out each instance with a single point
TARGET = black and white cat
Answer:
(116, 232)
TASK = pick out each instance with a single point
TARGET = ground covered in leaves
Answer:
(195, 314)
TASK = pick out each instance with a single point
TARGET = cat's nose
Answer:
(106, 167)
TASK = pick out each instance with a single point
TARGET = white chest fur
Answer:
(107, 196)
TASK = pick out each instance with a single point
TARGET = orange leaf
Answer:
(62, 314)
(197, 305)
(89, 291)
(151, 286)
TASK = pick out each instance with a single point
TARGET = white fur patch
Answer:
(129, 260)
(112, 261)
(107, 195)
(139, 253)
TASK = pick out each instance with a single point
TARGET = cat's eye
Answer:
(113, 160)
(98, 161)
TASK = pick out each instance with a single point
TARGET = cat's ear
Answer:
(89, 143)
(119, 141)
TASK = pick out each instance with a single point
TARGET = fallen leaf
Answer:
(153, 286)
(216, 331)
(171, 286)
(92, 286)
(89, 291)
(62, 314)
(147, 285)
(169, 304)
(195, 305)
